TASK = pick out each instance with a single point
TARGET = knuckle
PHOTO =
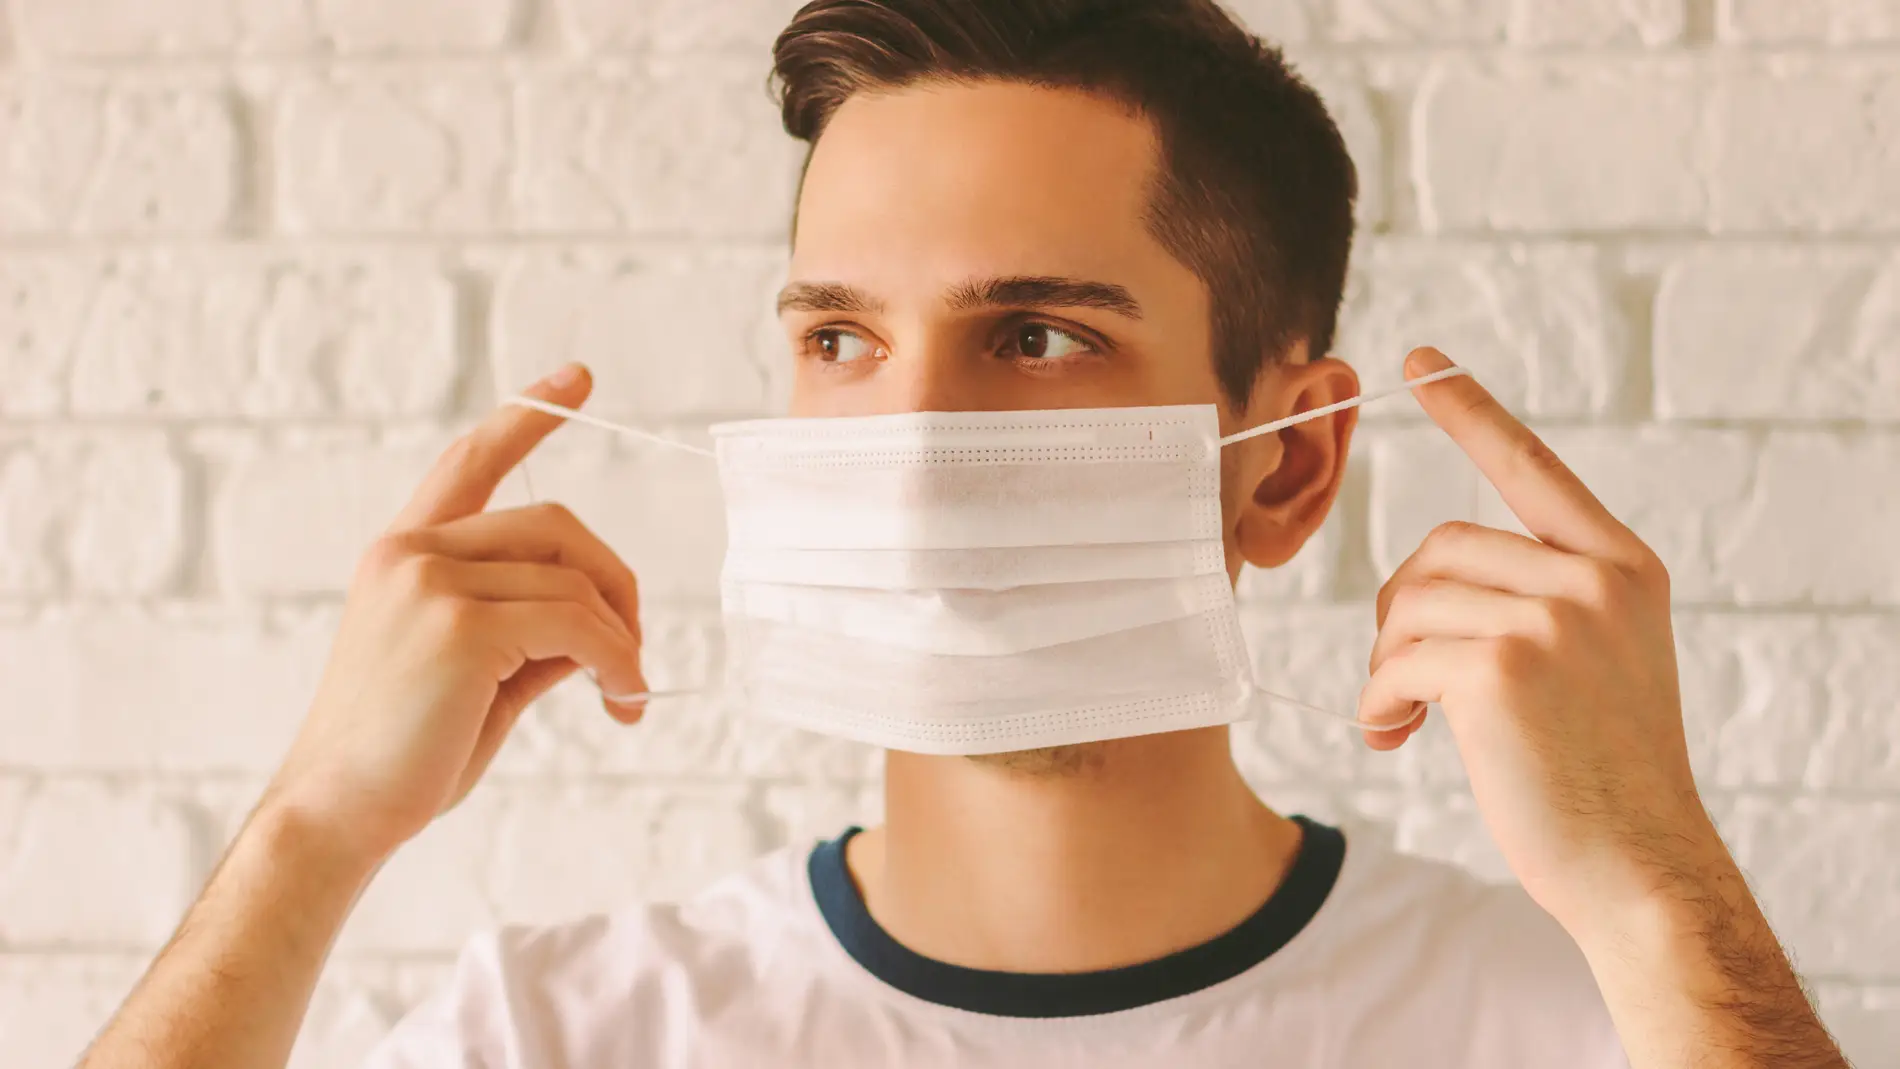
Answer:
(1550, 622)
(555, 514)
(1599, 585)
(462, 452)
(1537, 455)
(454, 620)
(1512, 658)
(1405, 599)
(386, 554)
(1650, 571)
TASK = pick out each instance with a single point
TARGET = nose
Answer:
(928, 378)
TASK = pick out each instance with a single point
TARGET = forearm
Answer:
(1695, 977)
(232, 987)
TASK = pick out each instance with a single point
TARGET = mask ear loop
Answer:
(1295, 420)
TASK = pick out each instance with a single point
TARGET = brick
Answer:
(136, 29)
(606, 153)
(1767, 333)
(51, 1005)
(1555, 22)
(1865, 1020)
(419, 25)
(705, 735)
(1540, 326)
(706, 340)
(43, 311)
(1678, 490)
(745, 26)
(292, 514)
(1733, 518)
(125, 689)
(1601, 147)
(382, 154)
(189, 335)
(1790, 701)
(1399, 21)
(1818, 525)
(1809, 862)
(1806, 151)
(98, 865)
(432, 895)
(127, 161)
(566, 852)
(30, 510)
(1835, 22)
(125, 29)
(95, 513)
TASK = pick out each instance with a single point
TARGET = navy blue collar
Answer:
(1007, 994)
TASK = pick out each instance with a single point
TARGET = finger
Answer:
(1546, 496)
(552, 630)
(546, 533)
(1485, 556)
(485, 580)
(1444, 608)
(1421, 672)
(465, 476)
(1393, 738)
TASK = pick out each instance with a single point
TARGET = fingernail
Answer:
(567, 375)
(1429, 359)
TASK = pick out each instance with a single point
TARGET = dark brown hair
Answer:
(1256, 189)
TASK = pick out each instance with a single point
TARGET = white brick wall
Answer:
(259, 258)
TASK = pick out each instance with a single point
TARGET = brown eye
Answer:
(1040, 341)
(840, 346)
(1032, 340)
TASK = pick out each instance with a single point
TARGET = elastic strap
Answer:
(1252, 432)
(606, 425)
(1329, 714)
(1341, 406)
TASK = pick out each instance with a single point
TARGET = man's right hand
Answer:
(457, 619)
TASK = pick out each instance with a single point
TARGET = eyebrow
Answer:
(1014, 291)
(1043, 291)
(826, 297)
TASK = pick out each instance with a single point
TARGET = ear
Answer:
(1288, 481)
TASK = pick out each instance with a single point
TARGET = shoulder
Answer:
(612, 983)
(1431, 948)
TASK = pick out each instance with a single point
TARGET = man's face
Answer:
(982, 247)
(985, 247)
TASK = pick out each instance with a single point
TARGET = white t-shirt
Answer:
(1375, 960)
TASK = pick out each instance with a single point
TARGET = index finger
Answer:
(466, 474)
(1539, 489)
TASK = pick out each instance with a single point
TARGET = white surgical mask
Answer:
(981, 582)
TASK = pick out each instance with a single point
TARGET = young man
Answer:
(1045, 204)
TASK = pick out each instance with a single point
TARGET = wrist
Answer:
(1686, 895)
(292, 834)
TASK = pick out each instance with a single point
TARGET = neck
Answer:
(1139, 848)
